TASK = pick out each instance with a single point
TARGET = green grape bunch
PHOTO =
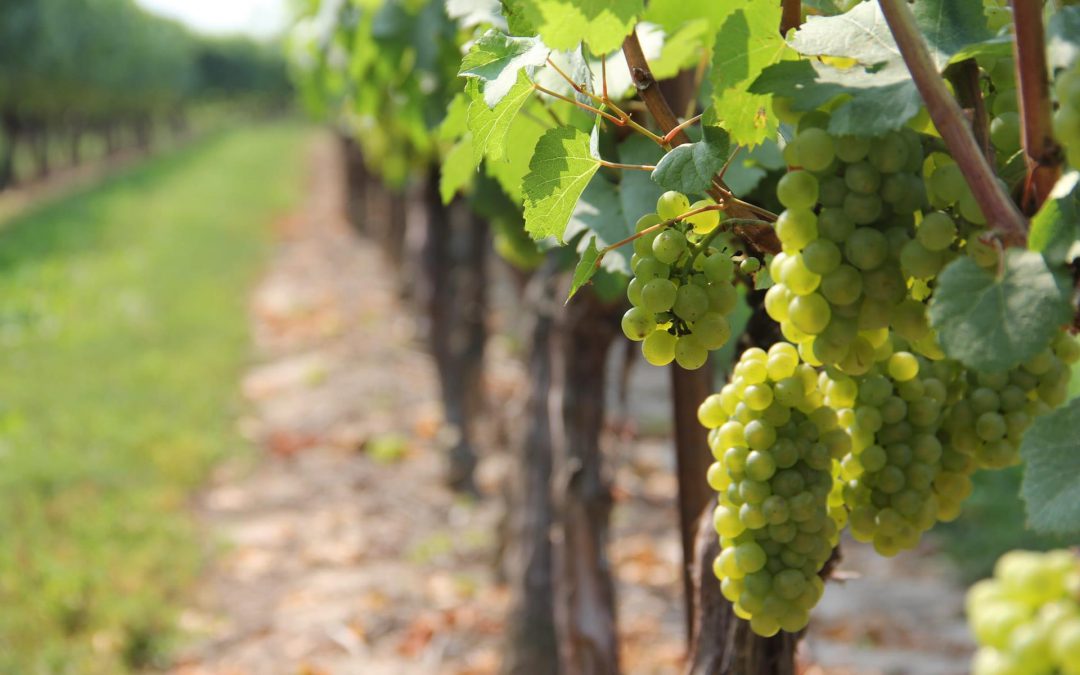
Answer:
(898, 479)
(850, 244)
(1067, 115)
(775, 443)
(1026, 618)
(997, 408)
(683, 288)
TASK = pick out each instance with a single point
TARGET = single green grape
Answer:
(671, 205)
(638, 323)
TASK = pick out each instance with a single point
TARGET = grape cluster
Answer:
(848, 236)
(1004, 109)
(1067, 116)
(775, 444)
(1026, 618)
(682, 290)
(896, 485)
(989, 422)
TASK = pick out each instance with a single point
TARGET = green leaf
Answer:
(747, 43)
(599, 214)
(526, 131)
(1063, 37)
(1051, 486)
(1054, 229)
(457, 170)
(601, 24)
(689, 168)
(882, 96)
(496, 60)
(490, 126)
(992, 323)
(455, 124)
(671, 15)
(586, 267)
(682, 49)
(560, 168)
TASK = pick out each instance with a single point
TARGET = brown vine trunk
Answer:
(356, 177)
(586, 605)
(39, 144)
(692, 458)
(456, 261)
(531, 646)
(7, 152)
(722, 642)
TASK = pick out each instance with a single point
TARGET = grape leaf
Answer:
(637, 192)
(882, 96)
(490, 126)
(564, 24)
(496, 60)
(457, 170)
(525, 131)
(682, 49)
(992, 323)
(455, 124)
(747, 43)
(690, 167)
(561, 166)
(672, 15)
(1054, 229)
(1063, 37)
(1051, 485)
(586, 267)
(598, 213)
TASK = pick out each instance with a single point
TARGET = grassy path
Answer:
(123, 328)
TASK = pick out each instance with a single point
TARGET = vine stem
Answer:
(790, 15)
(762, 238)
(1041, 152)
(1001, 213)
(965, 80)
(583, 106)
(633, 167)
(678, 129)
(723, 226)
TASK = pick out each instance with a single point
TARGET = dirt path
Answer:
(343, 554)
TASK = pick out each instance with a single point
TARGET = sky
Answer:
(260, 18)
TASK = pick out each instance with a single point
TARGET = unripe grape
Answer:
(638, 323)
(671, 205)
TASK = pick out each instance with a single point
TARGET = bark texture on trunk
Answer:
(11, 130)
(586, 609)
(722, 642)
(692, 459)
(456, 261)
(531, 646)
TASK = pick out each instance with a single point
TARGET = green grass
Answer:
(123, 330)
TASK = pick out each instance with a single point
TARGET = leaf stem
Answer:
(620, 118)
(633, 167)
(728, 162)
(679, 128)
(569, 80)
(583, 106)
(765, 239)
(603, 75)
(1041, 152)
(1001, 213)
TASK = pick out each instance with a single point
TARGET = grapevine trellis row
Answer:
(888, 185)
